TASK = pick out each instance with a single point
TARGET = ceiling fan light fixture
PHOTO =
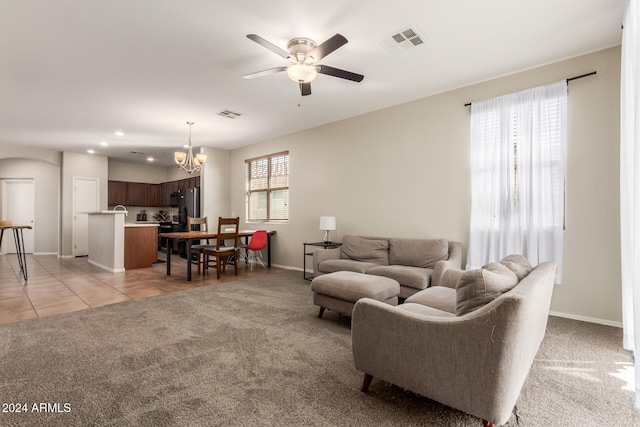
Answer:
(302, 73)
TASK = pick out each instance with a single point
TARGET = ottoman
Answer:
(339, 291)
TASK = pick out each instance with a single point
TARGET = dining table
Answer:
(190, 236)
(18, 238)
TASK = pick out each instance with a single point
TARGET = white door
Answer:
(85, 199)
(18, 205)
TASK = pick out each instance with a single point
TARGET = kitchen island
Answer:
(140, 245)
(117, 246)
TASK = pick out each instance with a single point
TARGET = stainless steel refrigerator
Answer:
(188, 205)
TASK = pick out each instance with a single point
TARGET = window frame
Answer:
(270, 176)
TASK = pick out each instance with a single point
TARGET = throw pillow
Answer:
(418, 252)
(479, 287)
(367, 250)
(518, 264)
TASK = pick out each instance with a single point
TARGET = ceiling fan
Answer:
(304, 54)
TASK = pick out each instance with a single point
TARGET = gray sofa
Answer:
(468, 343)
(414, 263)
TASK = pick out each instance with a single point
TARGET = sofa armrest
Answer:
(446, 273)
(455, 254)
(323, 254)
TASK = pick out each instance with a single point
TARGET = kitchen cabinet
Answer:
(117, 193)
(144, 194)
(140, 246)
(164, 195)
(137, 194)
(153, 192)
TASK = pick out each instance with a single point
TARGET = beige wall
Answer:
(76, 165)
(46, 183)
(147, 173)
(404, 171)
(214, 185)
(11, 151)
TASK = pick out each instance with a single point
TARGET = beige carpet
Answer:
(253, 352)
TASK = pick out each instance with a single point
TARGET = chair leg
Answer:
(235, 263)
(259, 258)
(366, 383)
(218, 262)
(321, 313)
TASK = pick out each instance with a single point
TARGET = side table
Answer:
(325, 245)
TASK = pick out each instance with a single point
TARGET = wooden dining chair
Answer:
(221, 254)
(198, 250)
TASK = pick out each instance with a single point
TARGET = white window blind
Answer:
(268, 188)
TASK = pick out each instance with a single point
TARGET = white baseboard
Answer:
(586, 319)
(286, 267)
(45, 253)
(113, 270)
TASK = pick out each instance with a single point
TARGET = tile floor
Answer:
(60, 285)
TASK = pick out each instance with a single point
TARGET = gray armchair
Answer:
(475, 362)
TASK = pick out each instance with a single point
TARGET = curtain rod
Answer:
(568, 80)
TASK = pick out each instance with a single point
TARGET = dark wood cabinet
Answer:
(151, 195)
(164, 195)
(174, 186)
(137, 194)
(140, 247)
(153, 192)
(117, 193)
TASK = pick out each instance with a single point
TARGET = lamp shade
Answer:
(179, 157)
(327, 223)
(302, 73)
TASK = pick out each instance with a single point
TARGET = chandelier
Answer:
(188, 161)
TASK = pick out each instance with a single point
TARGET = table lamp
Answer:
(327, 223)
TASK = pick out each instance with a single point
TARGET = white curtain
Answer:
(518, 150)
(630, 184)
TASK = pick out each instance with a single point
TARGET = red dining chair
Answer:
(256, 244)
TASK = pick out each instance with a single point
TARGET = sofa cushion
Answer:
(333, 265)
(424, 310)
(350, 286)
(413, 277)
(418, 252)
(479, 287)
(367, 250)
(518, 264)
(439, 297)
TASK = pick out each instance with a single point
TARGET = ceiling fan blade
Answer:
(272, 47)
(326, 48)
(264, 72)
(336, 72)
(305, 89)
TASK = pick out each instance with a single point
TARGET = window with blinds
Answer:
(268, 188)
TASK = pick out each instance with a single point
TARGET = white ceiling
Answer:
(74, 72)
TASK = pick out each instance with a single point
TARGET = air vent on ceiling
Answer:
(228, 114)
(404, 39)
